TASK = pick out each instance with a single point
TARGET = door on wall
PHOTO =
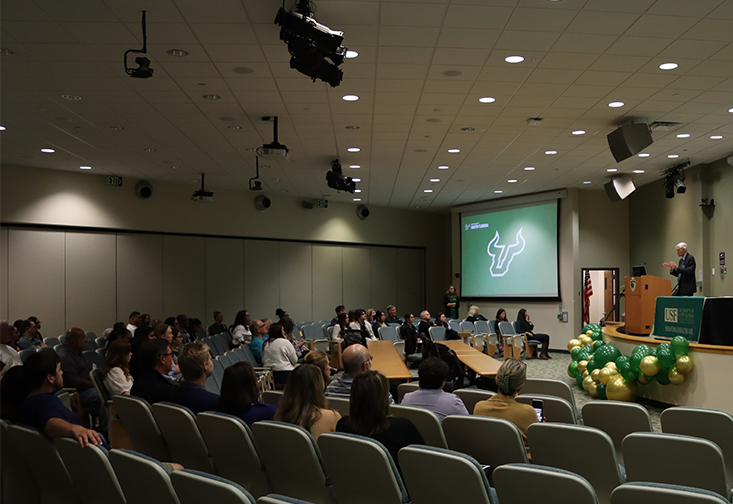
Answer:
(599, 295)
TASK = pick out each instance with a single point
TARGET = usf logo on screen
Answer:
(503, 255)
(670, 315)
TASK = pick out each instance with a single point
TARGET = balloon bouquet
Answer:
(603, 372)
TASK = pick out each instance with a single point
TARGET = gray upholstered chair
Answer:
(525, 483)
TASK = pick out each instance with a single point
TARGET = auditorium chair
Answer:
(143, 479)
(657, 493)
(91, 472)
(557, 409)
(471, 396)
(406, 388)
(195, 487)
(18, 484)
(183, 437)
(142, 429)
(525, 483)
(549, 387)
(617, 419)
(426, 422)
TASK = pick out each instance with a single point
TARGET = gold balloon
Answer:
(643, 380)
(572, 344)
(606, 374)
(585, 340)
(587, 382)
(582, 366)
(675, 377)
(650, 365)
(595, 375)
(684, 364)
(586, 374)
(611, 365)
(619, 389)
(589, 333)
(593, 389)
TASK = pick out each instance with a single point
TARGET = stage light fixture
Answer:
(668, 187)
(336, 179)
(255, 184)
(679, 182)
(143, 71)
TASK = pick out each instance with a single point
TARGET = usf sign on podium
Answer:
(641, 295)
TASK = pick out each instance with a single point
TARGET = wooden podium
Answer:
(641, 297)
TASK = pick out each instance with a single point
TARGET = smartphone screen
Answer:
(539, 408)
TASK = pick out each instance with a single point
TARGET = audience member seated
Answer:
(29, 336)
(13, 391)
(474, 315)
(37, 321)
(259, 332)
(115, 371)
(241, 334)
(369, 415)
(145, 320)
(76, 370)
(433, 373)
(218, 325)
(240, 392)
(166, 333)
(142, 334)
(320, 359)
(358, 323)
(339, 309)
(509, 379)
(133, 322)
(357, 360)
(176, 343)
(43, 410)
(183, 326)
(339, 328)
(9, 356)
(379, 321)
(303, 402)
(279, 354)
(423, 328)
(156, 362)
(119, 331)
(172, 321)
(281, 314)
(371, 316)
(196, 366)
(408, 332)
(527, 327)
(441, 321)
(301, 345)
(500, 317)
(195, 329)
(391, 317)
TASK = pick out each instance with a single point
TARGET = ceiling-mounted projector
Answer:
(202, 194)
(275, 148)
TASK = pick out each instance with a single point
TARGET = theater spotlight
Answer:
(679, 182)
(668, 186)
(336, 179)
(143, 71)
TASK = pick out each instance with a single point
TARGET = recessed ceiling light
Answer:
(612, 170)
(616, 104)
(349, 97)
(668, 66)
(351, 54)
(434, 180)
(673, 156)
(71, 97)
(712, 137)
(529, 168)
(498, 192)
(85, 167)
(352, 127)
(211, 97)
(512, 180)
(452, 73)
(443, 167)
(275, 180)
(354, 166)
(353, 149)
(514, 59)
(234, 127)
(468, 128)
(2, 128)
(150, 149)
(179, 53)
(116, 128)
(550, 152)
(454, 151)
(586, 181)
(638, 171)
(357, 190)
(683, 135)
(48, 151)
(644, 154)
(357, 199)
(730, 110)
(427, 190)
(487, 99)
(175, 167)
(579, 132)
(284, 191)
(356, 179)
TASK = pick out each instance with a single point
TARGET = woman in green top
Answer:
(451, 303)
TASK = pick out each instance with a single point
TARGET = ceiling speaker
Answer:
(362, 212)
(629, 140)
(619, 188)
(143, 189)
(262, 203)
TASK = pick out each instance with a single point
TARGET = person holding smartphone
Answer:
(526, 326)
(510, 379)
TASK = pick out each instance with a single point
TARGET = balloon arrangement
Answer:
(603, 372)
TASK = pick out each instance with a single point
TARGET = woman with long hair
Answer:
(279, 354)
(239, 330)
(240, 393)
(526, 326)
(301, 345)
(500, 317)
(304, 402)
(379, 321)
(115, 370)
(451, 303)
(371, 316)
(342, 325)
(369, 415)
(320, 359)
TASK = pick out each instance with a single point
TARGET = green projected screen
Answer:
(510, 253)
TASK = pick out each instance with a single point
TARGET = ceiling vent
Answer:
(664, 126)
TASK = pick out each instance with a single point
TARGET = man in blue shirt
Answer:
(43, 410)
(196, 365)
(433, 373)
(259, 335)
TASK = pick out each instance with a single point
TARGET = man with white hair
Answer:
(685, 271)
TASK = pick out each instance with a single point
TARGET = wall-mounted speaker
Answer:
(308, 205)
(628, 140)
(619, 188)
(362, 212)
(262, 203)
(143, 189)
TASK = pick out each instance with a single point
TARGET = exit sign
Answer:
(114, 181)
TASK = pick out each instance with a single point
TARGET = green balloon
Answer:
(680, 345)
(592, 364)
(587, 327)
(575, 354)
(662, 377)
(646, 377)
(635, 361)
(601, 391)
(597, 344)
(643, 349)
(597, 336)
(579, 381)
(665, 356)
(583, 355)
(573, 369)
(627, 372)
(622, 360)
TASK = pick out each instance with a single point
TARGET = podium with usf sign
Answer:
(641, 296)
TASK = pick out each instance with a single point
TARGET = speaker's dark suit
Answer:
(685, 272)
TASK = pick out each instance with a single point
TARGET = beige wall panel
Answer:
(296, 280)
(718, 185)
(327, 280)
(261, 279)
(36, 279)
(357, 277)
(410, 281)
(90, 281)
(139, 275)
(383, 278)
(184, 270)
(224, 279)
(4, 274)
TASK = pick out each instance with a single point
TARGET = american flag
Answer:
(587, 293)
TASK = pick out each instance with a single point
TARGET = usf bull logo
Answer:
(503, 255)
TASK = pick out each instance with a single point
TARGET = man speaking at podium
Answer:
(685, 272)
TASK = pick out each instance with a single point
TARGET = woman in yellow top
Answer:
(509, 379)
